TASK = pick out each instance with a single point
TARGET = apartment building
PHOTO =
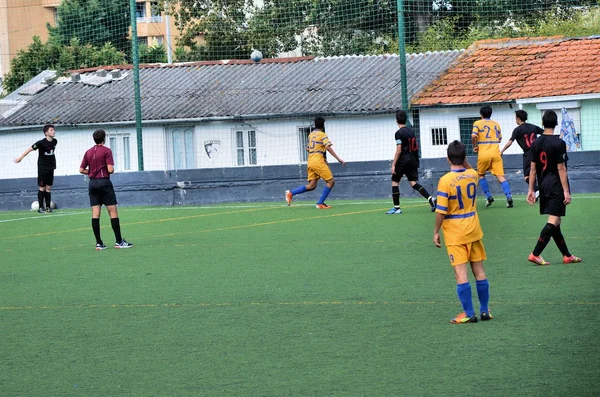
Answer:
(20, 20)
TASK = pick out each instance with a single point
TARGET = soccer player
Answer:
(486, 136)
(406, 162)
(456, 215)
(549, 164)
(318, 145)
(46, 166)
(98, 164)
(525, 135)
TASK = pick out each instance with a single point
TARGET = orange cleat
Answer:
(571, 259)
(463, 319)
(538, 260)
(288, 197)
(323, 206)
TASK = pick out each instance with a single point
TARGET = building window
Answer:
(140, 10)
(55, 15)
(439, 136)
(303, 133)
(155, 41)
(119, 145)
(246, 147)
(180, 146)
(465, 126)
(155, 12)
(142, 40)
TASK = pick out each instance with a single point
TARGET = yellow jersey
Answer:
(488, 135)
(456, 199)
(317, 146)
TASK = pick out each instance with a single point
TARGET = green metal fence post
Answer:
(136, 85)
(402, 54)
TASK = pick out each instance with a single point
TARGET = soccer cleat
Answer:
(49, 210)
(509, 203)
(394, 211)
(538, 260)
(100, 247)
(489, 201)
(571, 259)
(432, 203)
(288, 197)
(41, 211)
(123, 244)
(485, 316)
(323, 206)
(463, 319)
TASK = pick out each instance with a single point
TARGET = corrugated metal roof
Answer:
(348, 84)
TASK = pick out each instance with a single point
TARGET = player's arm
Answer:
(84, 171)
(21, 157)
(330, 150)
(110, 168)
(396, 157)
(530, 191)
(508, 144)
(474, 139)
(439, 219)
(564, 181)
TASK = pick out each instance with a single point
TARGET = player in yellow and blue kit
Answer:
(486, 137)
(318, 145)
(456, 215)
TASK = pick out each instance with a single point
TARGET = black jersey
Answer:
(46, 158)
(525, 135)
(548, 151)
(410, 148)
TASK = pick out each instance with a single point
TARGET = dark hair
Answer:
(99, 136)
(521, 115)
(457, 153)
(549, 119)
(401, 117)
(47, 127)
(486, 111)
(320, 123)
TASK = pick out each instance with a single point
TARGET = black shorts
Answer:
(526, 164)
(101, 191)
(552, 206)
(45, 177)
(410, 170)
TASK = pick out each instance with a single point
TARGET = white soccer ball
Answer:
(35, 206)
(52, 205)
(256, 56)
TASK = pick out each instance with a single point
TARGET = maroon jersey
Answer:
(97, 159)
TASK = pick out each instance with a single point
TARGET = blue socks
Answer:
(299, 190)
(506, 188)
(483, 292)
(464, 295)
(326, 191)
(485, 187)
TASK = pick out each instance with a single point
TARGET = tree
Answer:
(54, 56)
(94, 22)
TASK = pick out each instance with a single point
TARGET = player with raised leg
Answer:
(549, 164)
(406, 162)
(318, 145)
(456, 215)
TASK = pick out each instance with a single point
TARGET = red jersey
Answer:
(97, 159)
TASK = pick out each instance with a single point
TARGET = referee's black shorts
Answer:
(101, 192)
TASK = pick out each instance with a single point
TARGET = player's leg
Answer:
(110, 200)
(396, 177)
(476, 256)
(545, 235)
(498, 171)
(96, 204)
(313, 178)
(41, 190)
(325, 173)
(560, 242)
(413, 179)
(483, 165)
(526, 170)
(48, 197)
(458, 258)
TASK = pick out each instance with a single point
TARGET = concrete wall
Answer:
(361, 180)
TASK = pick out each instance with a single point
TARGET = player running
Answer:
(549, 164)
(486, 136)
(318, 145)
(525, 134)
(456, 215)
(406, 162)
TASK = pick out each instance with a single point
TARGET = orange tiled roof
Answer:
(508, 69)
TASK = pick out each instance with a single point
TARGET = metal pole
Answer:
(136, 85)
(168, 23)
(402, 55)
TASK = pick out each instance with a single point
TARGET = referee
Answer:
(98, 164)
